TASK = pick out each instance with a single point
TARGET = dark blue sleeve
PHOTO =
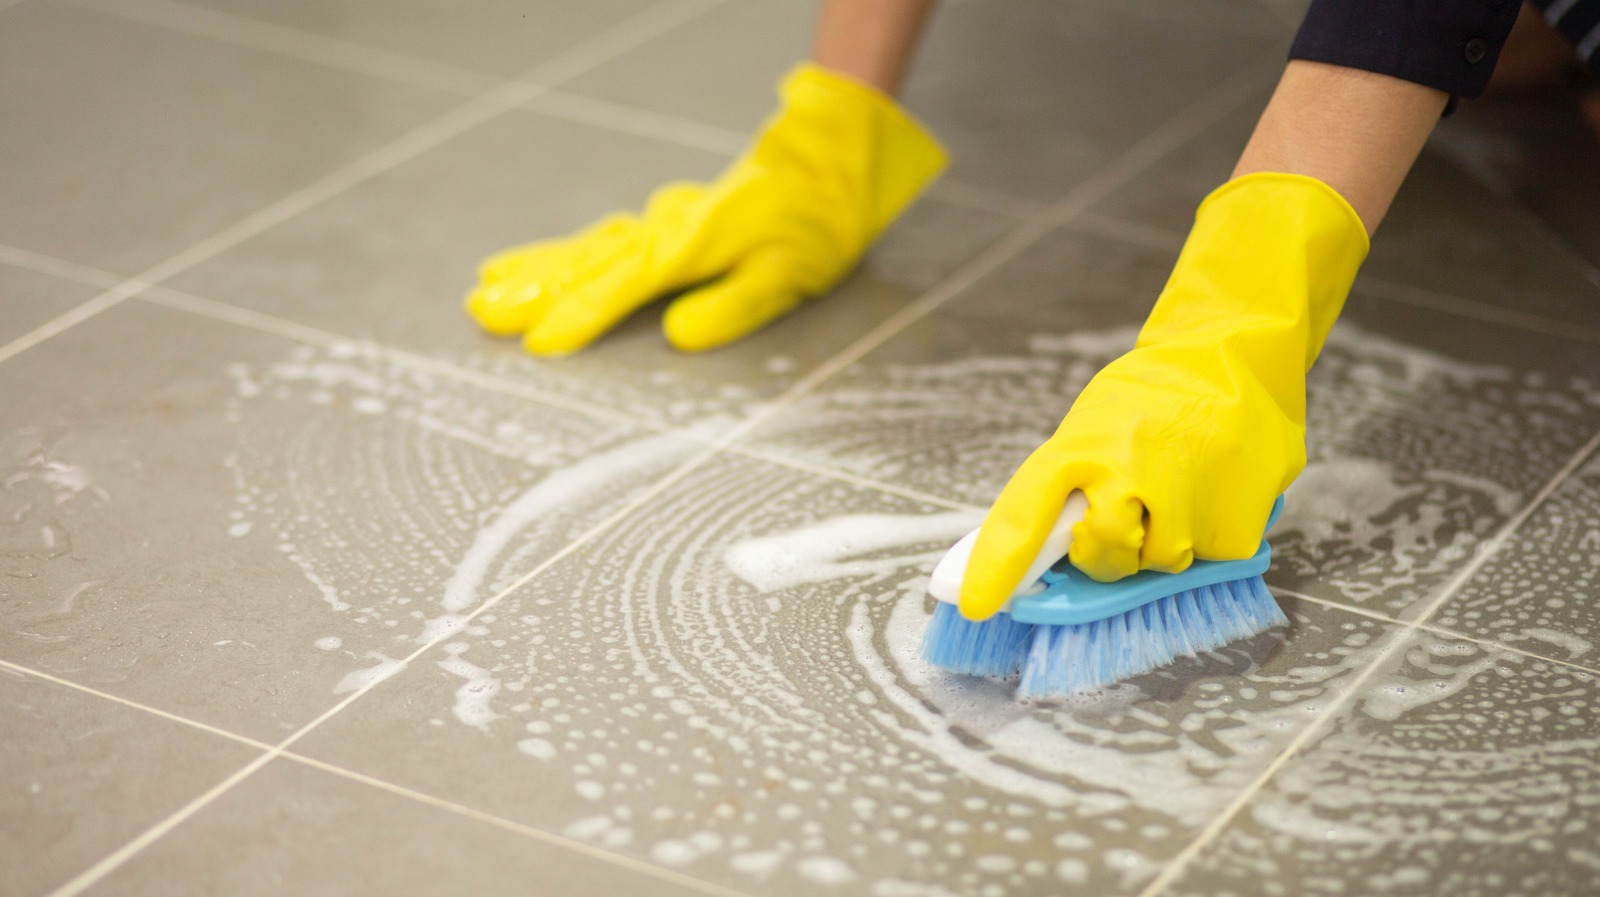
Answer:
(1450, 45)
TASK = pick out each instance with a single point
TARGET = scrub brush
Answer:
(1065, 632)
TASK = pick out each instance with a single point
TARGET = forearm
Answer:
(870, 40)
(1356, 131)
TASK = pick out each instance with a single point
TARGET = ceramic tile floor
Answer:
(310, 588)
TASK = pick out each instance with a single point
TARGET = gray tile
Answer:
(1029, 96)
(481, 35)
(1460, 770)
(80, 776)
(1276, 18)
(720, 69)
(1539, 152)
(391, 259)
(127, 143)
(727, 683)
(1427, 431)
(1032, 96)
(292, 829)
(1446, 232)
(229, 526)
(29, 299)
(1537, 592)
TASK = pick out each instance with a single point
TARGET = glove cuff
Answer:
(1266, 247)
(879, 144)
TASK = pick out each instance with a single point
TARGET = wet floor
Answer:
(311, 588)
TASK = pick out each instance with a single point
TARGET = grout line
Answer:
(521, 828)
(44, 264)
(1429, 627)
(306, 46)
(173, 717)
(64, 322)
(984, 199)
(178, 300)
(116, 858)
(1170, 136)
(1148, 236)
(1178, 863)
(1473, 308)
(288, 329)
(620, 38)
(1152, 237)
(1547, 229)
(845, 476)
(639, 122)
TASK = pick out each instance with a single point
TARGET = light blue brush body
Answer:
(1078, 634)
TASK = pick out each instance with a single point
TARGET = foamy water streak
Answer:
(729, 682)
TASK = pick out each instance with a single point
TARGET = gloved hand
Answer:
(786, 221)
(1182, 444)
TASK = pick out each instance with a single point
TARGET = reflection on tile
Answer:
(1539, 151)
(29, 299)
(1427, 432)
(80, 776)
(1446, 231)
(150, 148)
(292, 829)
(1032, 96)
(526, 176)
(1537, 592)
(225, 525)
(1460, 770)
(1448, 234)
(481, 35)
(728, 684)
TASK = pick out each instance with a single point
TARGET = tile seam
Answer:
(1433, 628)
(526, 830)
(176, 300)
(135, 705)
(1134, 233)
(1176, 866)
(293, 43)
(39, 263)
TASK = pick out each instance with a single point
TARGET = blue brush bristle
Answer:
(1066, 659)
(994, 647)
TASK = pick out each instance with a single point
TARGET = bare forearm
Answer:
(1358, 132)
(870, 40)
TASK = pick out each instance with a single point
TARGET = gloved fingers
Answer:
(1013, 532)
(759, 289)
(518, 287)
(1168, 544)
(583, 312)
(1107, 543)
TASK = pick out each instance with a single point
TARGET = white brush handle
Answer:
(952, 568)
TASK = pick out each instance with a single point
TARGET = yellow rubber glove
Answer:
(1182, 444)
(786, 221)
